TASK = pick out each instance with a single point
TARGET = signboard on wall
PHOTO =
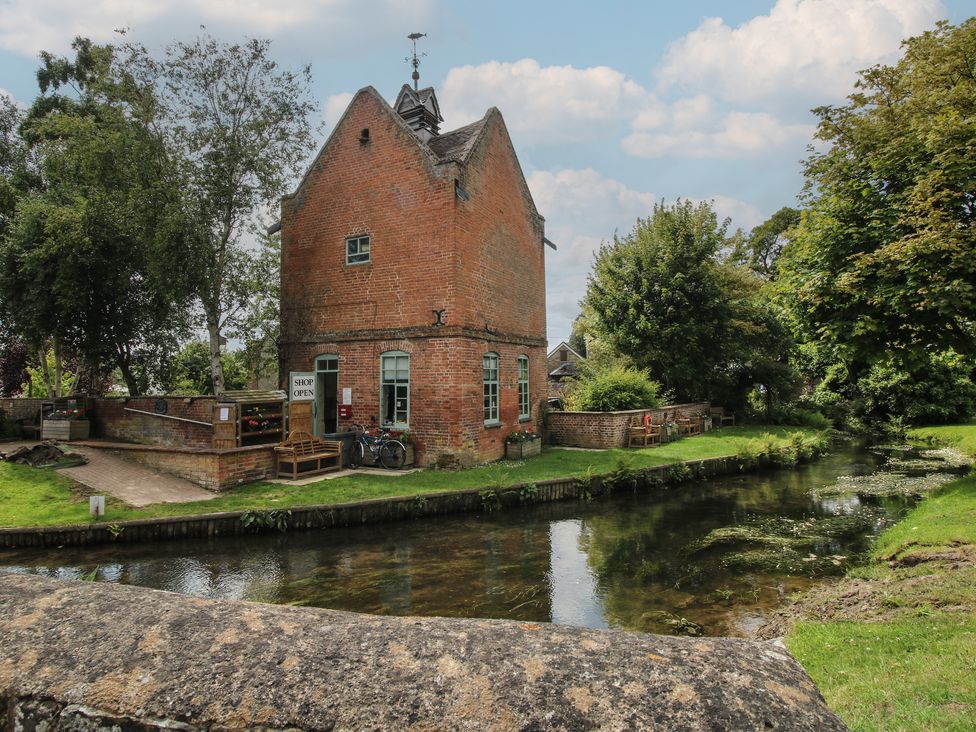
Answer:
(345, 411)
(301, 386)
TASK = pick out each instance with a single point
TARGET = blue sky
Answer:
(611, 106)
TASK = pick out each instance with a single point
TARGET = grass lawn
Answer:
(898, 649)
(30, 497)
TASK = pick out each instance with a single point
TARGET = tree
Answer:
(77, 262)
(882, 267)
(259, 326)
(17, 172)
(656, 296)
(762, 248)
(238, 129)
(578, 334)
(189, 371)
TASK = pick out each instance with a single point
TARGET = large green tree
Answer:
(77, 259)
(883, 263)
(668, 297)
(238, 129)
(657, 297)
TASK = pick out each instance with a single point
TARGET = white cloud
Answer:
(334, 107)
(744, 215)
(801, 46)
(28, 26)
(736, 134)
(542, 103)
(586, 199)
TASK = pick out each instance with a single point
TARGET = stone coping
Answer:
(139, 447)
(92, 655)
(663, 408)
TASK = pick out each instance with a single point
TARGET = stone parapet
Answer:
(93, 656)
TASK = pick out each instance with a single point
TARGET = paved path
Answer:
(127, 480)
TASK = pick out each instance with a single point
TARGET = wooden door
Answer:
(225, 425)
(300, 417)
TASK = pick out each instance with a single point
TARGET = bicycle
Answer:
(386, 451)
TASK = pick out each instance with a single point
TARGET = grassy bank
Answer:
(893, 646)
(31, 497)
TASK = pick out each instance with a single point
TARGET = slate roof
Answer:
(457, 144)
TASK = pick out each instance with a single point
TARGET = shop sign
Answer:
(301, 386)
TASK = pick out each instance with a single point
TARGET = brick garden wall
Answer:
(21, 409)
(111, 421)
(606, 430)
(217, 470)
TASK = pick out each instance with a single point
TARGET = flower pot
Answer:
(65, 429)
(521, 450)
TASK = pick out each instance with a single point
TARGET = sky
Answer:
(612, 106)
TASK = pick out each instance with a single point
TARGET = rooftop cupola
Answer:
(419, 106)
(420, 110)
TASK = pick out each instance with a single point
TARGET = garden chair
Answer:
(640, 434)
(686, 424)
(720, 418)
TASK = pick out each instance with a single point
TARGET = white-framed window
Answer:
(395, 389)
(327, 363)
(490, 378)
(523, 387)
(357, 250)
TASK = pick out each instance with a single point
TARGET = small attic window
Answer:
(364, 135)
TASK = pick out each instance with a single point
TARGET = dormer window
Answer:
(357, 250)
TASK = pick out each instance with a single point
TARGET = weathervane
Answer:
(415, 59)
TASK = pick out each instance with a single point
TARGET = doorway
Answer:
(326, 395)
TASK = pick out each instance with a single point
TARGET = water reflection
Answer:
(626, 561)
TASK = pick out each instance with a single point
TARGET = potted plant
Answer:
(65, 424)
(671, 431)
(522, 444)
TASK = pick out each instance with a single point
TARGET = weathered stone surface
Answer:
(85, 656)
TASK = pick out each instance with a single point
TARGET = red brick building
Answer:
(413, 276)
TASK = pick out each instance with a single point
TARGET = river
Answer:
(711, 557)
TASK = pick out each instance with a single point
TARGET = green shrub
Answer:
(614, 389)
(624, 474)
(747, 453)
(940, 391)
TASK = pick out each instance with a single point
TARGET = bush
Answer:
(941, 391)
(617, 388)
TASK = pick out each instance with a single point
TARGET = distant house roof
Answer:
(563, 370)
(562, 345)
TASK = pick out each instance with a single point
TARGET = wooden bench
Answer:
(301, 447)
(639, 435)
(686, 424)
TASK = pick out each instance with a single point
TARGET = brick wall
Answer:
(218, 470)
(607, 430)
(111, 420)
(446, 391)
(16, 409)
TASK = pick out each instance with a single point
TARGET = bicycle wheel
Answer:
(393, 454)
(356, 454)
